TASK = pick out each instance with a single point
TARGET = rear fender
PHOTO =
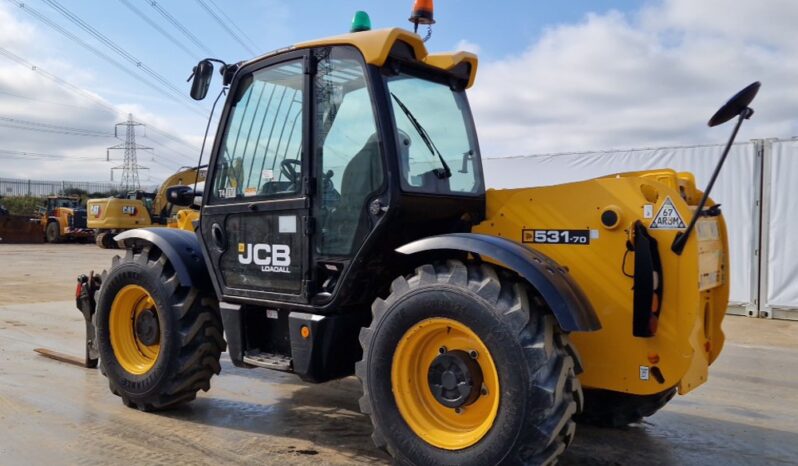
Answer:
(561, 293)
(181, 247)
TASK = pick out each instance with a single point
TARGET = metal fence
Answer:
(41, 188)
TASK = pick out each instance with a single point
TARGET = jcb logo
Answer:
(270, 257)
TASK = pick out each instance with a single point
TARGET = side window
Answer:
(262, 145)
(351, 171)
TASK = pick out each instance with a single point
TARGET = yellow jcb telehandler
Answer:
(345, 229)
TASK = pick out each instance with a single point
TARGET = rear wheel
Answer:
(614, 409)
(53, 232)
(460, 367)
(159, 340)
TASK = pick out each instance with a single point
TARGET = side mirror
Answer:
(736, 105)
(180, 195)
(202, 75)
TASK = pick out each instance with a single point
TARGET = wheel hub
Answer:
(455, 379)
(147, 329)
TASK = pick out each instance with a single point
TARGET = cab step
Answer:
(269, 360)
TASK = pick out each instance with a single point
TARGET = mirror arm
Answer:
(681, 238)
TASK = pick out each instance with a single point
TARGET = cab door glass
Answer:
(261, 150)
(351, 170)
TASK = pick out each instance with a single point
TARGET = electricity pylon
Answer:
(130, 166)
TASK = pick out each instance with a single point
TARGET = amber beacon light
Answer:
(422, 14)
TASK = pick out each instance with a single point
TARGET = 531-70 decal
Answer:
(577, 237)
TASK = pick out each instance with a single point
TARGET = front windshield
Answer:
(66, 203)
(443, 115)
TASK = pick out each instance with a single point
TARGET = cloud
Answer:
(467, 46)
(27, 95)
(646, 78)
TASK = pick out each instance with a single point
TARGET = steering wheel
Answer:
(288, 168)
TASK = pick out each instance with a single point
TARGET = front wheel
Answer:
(159, 340)
(53, 232)
(460, 367)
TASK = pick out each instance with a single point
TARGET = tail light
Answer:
(647, 284)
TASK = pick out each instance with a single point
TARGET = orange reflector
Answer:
(707, 346)
(653, 323)
(653, 358)
(78, 290)
(654, 303)
(304, 331)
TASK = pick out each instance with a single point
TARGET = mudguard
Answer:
(569, 304)
(181, 247)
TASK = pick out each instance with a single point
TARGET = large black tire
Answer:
(53, 233)
(105, 240)
(535, 362)
(606, 408)
(191, 340)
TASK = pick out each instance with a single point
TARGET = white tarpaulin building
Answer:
(755, 189)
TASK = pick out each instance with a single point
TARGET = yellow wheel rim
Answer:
(133, 355)
(433, 422)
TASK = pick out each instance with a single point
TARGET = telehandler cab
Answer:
(345, 229)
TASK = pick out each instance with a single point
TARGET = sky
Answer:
(553, 76)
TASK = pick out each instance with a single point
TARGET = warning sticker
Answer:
(668, 217)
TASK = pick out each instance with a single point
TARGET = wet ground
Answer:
(55, 413)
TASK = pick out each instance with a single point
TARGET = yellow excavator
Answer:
(138, 209)
(346, 229)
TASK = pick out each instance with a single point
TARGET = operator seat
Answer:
(349, 223)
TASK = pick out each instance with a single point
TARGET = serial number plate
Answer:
(556, 236)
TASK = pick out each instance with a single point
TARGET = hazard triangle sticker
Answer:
(668, 217)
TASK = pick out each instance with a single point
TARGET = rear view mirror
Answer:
(180, 195)
(202, 75)
(735, 105)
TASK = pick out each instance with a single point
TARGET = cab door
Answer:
(256, 205)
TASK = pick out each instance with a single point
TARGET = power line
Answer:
(33, 99)
(75, 89)
(55, 26)
(244, 34)
(75, 19)
(227, 28)
(48, 126)
(192, 158)
(15, 154)
(55, 131)
(173, 138)
(83, 93)
(179, 26)
(158, 28)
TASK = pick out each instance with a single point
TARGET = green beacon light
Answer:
(361, 22)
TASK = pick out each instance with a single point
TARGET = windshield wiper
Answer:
(441, 174)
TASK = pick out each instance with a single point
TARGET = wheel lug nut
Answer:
(473, 354)
(458, 410)
(483, 391)
(442, 350)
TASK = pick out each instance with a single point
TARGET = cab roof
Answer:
(376, 45)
